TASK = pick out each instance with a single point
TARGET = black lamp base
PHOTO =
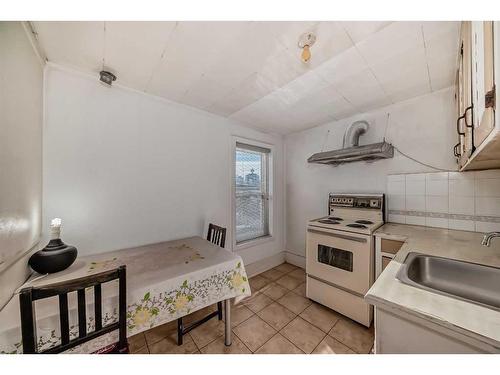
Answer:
(54, 257)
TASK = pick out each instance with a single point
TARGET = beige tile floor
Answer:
(277, 318)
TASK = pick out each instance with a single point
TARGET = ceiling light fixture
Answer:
(106, 77)
(306, 40)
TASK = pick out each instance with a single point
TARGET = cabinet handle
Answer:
(463, 117)
(470, 126)
(458, 125)
(457, 146)
(469, 108)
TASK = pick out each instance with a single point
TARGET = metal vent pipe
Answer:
(353, 132)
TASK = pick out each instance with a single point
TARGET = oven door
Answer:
(341, 259)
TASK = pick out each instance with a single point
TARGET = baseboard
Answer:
(296, 260)
(265, 264)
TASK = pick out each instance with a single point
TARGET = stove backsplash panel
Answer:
(453, 200)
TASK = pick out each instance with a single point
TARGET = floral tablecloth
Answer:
(165, 281)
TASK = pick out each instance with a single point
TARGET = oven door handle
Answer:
(338, 235)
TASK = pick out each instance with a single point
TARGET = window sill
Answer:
(254, 242)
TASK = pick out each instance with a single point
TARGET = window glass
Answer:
(251, 189)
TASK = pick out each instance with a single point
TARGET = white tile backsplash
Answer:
(396, 187)
(487, 206)
(461, 175)
(415, 202)
(437, 176)
(461, 205)
(461, 224)
(436, 184)
(396, 177)
(487, 227)
(490, 173)
(456, 200)
(435, 203)
(415, 184)
(461, 187)
(400, 219)
(396, 202)
(415, 220)
(436, 222)
(487, 187)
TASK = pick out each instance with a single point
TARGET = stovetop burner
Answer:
(335, 218)
(364, 222)
(328, 221)
(357, 226)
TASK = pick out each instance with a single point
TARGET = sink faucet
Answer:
(487, 238)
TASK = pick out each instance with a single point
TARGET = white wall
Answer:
(122, 168)
(421, 127)
(21, 79)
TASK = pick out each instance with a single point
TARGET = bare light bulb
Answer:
(56, 222)
(306, 53)
(55, 228)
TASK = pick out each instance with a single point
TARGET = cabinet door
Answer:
(464, 95)
(385, 262)
(483, 82)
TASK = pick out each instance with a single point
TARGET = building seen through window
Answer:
(251, 189)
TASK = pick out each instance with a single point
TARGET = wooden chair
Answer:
(29, 295)
(216, 235)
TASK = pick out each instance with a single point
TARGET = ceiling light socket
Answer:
(307, 39)
(106, 77)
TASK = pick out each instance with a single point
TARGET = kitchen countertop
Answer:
(469, 319)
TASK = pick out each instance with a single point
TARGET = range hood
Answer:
(372, 152)
(353, 152)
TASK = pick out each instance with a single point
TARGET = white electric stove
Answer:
(340, 254)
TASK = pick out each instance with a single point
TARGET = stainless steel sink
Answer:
(470, 282)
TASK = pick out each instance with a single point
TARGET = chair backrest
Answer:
(216, 235)
(29, 295)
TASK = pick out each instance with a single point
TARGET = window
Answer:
(335, 257)
(251, 188)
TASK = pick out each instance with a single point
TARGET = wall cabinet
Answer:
(478, 129)
(483, 85)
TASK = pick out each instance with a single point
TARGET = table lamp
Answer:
(56, 255)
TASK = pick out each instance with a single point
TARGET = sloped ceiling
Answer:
(252, 71)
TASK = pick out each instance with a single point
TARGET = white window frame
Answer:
(270, 175)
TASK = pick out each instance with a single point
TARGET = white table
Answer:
(165, 281)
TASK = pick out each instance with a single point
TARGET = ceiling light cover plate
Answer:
(307, 39)
(106, 77)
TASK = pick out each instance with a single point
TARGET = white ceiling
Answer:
(252, 72)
